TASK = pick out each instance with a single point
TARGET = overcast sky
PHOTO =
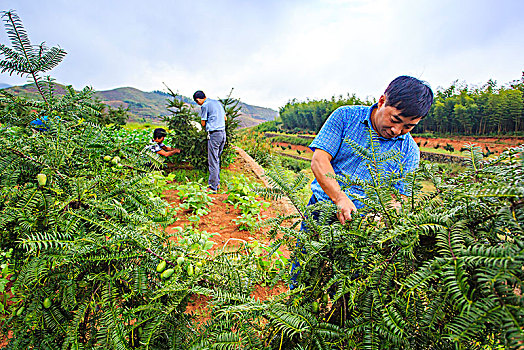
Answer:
(271, 51)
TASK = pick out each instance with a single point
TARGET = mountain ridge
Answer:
(149, 106)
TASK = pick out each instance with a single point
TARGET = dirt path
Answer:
(220, 220)
(221, 215)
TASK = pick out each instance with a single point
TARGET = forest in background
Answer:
(458, 109)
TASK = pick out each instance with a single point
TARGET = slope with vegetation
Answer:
(144, 106)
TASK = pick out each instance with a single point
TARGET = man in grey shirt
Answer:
(213, 118)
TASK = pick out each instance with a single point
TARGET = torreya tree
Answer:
(22, 57)
(433, 270)
(25, 59)
(187, 134)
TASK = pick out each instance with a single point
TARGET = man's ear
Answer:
(381, 101)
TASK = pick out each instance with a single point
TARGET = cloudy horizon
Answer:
(273, 51)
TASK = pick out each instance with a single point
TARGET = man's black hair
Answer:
(159, 133)
(411, 96)
(198, 94)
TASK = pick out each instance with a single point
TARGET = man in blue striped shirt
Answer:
(402, 106)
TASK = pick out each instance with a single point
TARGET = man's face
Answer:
(200, 101)
(388, 122)
(160, 139)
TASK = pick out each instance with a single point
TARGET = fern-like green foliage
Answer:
(232, 109)
(187, 134)
(438, 270)
(432, 270)
(24, 58)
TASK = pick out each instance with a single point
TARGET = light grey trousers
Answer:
(215, 146)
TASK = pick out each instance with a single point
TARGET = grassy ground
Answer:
(427, 186)
(441, 151)
(294, 152)
(143, 126)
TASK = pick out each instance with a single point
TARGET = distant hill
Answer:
(254, 115)
(142, 105)
(148, 106)
(4, 86)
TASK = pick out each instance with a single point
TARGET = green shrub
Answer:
(195, 197)
(241, 196)
(291, 140)
(440, 269)
(187, 134)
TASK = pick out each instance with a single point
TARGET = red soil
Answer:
(220, 220)
(497, 144)
(293, 147)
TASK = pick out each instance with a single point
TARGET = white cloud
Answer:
(273, 51)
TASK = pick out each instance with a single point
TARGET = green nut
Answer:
(47, 303)
(161, 266)
(42, 179)
(167, 273)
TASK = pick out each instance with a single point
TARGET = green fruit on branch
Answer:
(47, 303)
(115, 160)
(42, 179)
(190, 270)
(314, 307)
(107, 158)
(199, 264)
(20, 311)
(161, 266)
(325, 298)
(180, 260)
(197, 270)
(167, 273)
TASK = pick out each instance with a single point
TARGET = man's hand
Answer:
(345, 208)
(173, 151)
(321, 165)
(168, 153)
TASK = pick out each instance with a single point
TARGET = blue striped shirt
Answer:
(353, 123)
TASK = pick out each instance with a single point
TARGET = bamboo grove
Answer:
(458, 109)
